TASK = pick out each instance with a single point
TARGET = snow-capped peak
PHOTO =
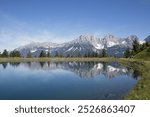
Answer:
(83, 45)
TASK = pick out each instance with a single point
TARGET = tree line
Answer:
(136, 48)
(58, 54)
(6, 54)
(15, 53)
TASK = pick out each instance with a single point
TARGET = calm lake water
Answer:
(65, 80)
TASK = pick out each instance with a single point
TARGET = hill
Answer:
(145, 55)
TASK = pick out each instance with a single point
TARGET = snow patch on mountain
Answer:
(84, 44)
(99, 46)
(69, 49)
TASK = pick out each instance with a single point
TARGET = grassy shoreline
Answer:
(55, 59)
(142, 90)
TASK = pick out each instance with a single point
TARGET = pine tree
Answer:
(96, 54)
(42, 54)
(147, 44)
(143, 46)
(127, 53)
(48, 54)
(17, 54)
(136, 46)
(5, 53)
(85, 55)
(29, 55)
(104, 53)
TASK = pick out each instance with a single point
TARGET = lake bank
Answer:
(55, 59)
(141, 90)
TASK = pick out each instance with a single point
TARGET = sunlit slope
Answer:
(145, 55)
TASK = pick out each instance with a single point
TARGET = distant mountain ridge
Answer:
(82, 45)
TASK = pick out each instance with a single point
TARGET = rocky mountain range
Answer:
(83, 45)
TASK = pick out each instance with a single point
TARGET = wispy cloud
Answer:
(11, 39)
(14, 33)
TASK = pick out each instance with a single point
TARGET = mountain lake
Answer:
(66, 81)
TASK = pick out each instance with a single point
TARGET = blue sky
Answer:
(25, 21)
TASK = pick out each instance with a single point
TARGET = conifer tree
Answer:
(85, 55)
(17, 54)
(136, 46)
(127, 53)
(29, 55)
(48, 54)
(96, 54)
(5, 53)
(104, 53)
(42, 54)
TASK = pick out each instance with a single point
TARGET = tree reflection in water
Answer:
(82, 69)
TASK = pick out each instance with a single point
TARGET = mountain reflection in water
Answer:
(82, 69)
(66, 80)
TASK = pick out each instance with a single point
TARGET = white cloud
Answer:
(14, 33)
(13, 39)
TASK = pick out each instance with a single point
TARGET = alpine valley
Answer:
(83, 45)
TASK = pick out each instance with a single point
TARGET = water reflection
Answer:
(66, 80)
(4, 65)
(82, 69)
(14, 64)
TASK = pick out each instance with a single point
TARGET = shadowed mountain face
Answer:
(82, 69)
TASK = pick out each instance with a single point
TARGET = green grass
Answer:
(142, 90)
(141, 63)
(54, 59)
(145, 55)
